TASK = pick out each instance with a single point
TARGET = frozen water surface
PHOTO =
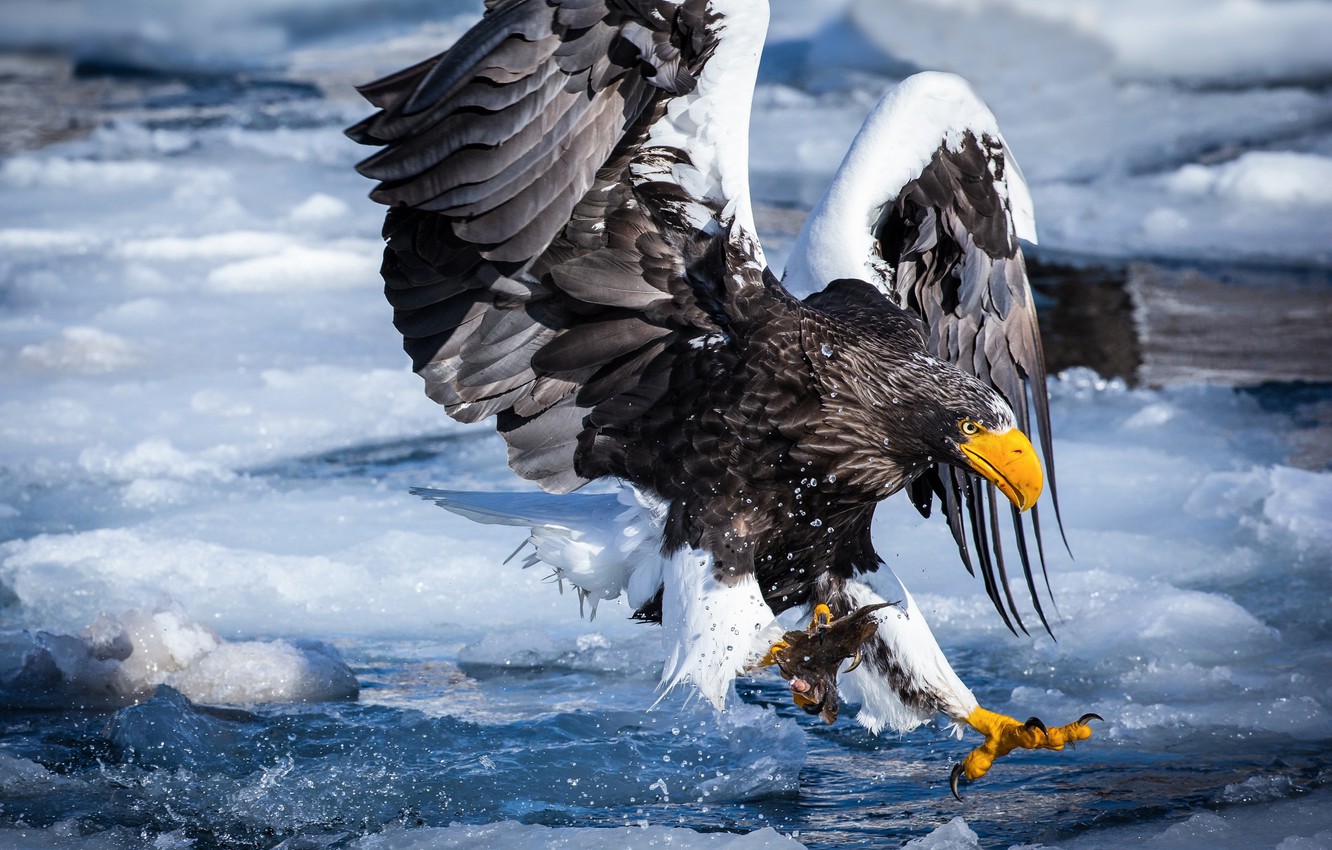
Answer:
(225, 623)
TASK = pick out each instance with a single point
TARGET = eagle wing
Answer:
(555, 247)
(930, 204)
(951, 240)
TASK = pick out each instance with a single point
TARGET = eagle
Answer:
(571, 252)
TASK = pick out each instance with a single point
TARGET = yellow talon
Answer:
(771, 657)
(822, 619)
(822, 616)
(1003, 734)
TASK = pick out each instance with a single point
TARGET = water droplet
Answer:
(826, 349)
(816, 522)
(832, 478)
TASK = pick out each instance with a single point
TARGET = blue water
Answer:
(230, 778)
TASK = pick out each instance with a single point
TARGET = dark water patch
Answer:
(151, 89)
(323, 774)
(467, 459)
(1309, 406)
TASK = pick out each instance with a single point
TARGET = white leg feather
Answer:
(905, 679)
(712, 630)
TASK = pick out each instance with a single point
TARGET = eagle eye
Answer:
(969, 427)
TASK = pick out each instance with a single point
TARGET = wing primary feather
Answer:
(1040, 548)
(999, 557)
(976, 510)
(1024, 422)
(953, 511)
(463, 57)
(1020, 530)
(1040, 398)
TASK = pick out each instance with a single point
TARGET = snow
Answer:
(924, 113)
(1260, 177)
(1104, 105)
(1196, 40)
(208, 434)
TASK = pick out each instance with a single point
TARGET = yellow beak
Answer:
(1008, 461)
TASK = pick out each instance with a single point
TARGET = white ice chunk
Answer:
(1282, 178)
(120, 661)
(954, 835)
(298, 268)
(319, 207)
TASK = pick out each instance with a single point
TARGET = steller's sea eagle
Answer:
(571, 250)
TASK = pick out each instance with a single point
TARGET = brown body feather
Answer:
(616, 325)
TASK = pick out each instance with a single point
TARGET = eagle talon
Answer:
(771, 657)
(1004, 734)
(855, 661)
(822, 618)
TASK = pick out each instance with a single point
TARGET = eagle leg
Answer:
(809, 659)
(1004, 734)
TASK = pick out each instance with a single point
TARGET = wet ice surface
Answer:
(227, 624)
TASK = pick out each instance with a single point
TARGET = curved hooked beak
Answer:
(1008, 461)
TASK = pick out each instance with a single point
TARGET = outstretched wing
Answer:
(930, 204)
(950, 239)
(563, 200)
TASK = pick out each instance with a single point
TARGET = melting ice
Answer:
(227, 623)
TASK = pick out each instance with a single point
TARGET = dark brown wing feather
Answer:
(949, 237)
(533, 279)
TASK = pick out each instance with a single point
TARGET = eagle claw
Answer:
(1003, 734)
(809, 659)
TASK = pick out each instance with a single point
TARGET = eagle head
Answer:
(892, 410)
(985, 438)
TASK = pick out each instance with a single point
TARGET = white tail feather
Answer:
(603, 544)
(609, 544)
